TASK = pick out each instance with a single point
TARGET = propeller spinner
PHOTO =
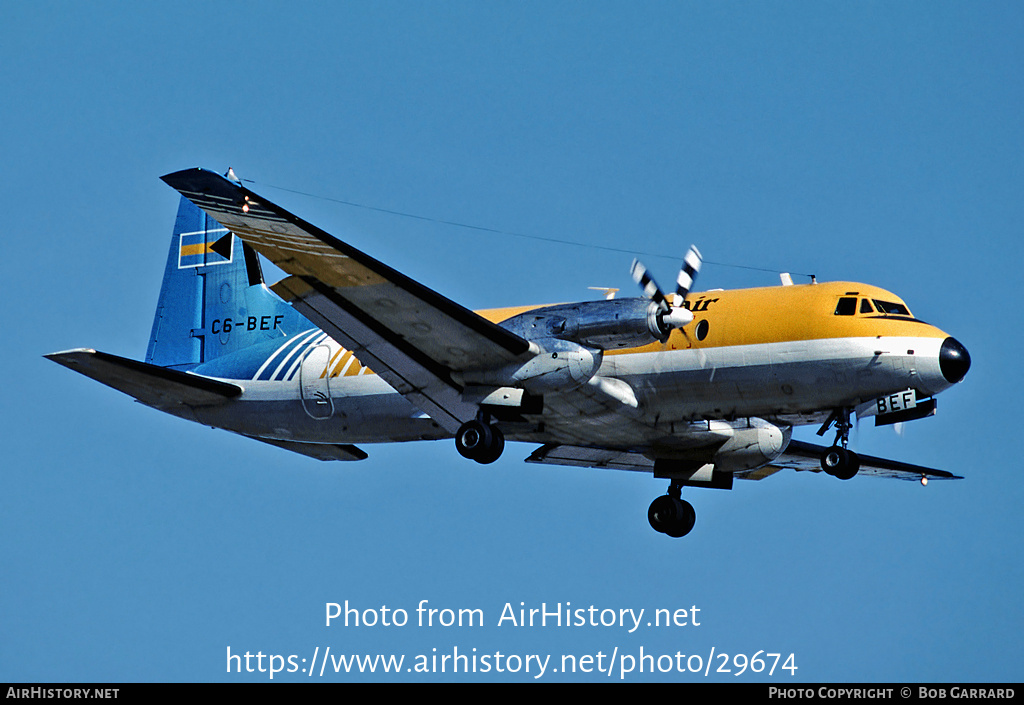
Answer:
(674, 315)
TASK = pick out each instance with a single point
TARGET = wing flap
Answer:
(587, 457)
(155, 386)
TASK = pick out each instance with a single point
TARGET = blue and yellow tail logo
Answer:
(205, 247)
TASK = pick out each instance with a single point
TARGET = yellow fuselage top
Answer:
(781, 314)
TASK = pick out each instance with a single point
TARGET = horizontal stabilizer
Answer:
(807, 456)
(155, 386)
(318, 451)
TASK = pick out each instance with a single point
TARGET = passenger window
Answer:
(865, 306)
(846, 307)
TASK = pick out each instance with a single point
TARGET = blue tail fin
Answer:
(213, 301)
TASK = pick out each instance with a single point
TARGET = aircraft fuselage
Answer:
(787, 354)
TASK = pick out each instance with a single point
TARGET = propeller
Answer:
(674, 315)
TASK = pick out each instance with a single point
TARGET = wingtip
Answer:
(179, 172)
(199, 182)
(185, 176)
(64, 356)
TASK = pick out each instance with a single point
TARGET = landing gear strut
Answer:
(480, 440)
(671, 514)
(838, 461)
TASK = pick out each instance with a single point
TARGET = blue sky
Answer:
(874, 142)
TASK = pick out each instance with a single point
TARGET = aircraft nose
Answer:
(954, 360)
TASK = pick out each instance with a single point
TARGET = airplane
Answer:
(696, 389)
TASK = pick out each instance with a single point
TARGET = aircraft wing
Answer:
(160, 387)
(807, 456)
(799, 456)
(412, 337)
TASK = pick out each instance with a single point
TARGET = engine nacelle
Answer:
(757, 444)
(605, 325)
(716, 449)
(559, 365)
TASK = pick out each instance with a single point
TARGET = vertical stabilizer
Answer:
(213, 301)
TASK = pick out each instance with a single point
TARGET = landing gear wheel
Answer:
(478, 441)
(471, 438)
(493, 451)
(840, 462)
(672, 516)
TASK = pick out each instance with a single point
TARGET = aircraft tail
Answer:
(213, 301)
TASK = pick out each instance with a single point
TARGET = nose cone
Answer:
(954, 360)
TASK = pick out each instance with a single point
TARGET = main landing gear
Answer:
(838, 461)
(671, 514)
(480, 440)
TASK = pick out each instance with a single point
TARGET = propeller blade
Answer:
(687, 274)
(647, 283)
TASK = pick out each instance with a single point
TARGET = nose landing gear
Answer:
(838, 461)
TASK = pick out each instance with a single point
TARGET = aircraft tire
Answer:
(471, 438)
(494, 450)
(840, 462)
(671, 516)
(480, 442)
(851, 468)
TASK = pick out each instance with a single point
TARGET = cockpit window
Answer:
(866, 307)
(847, 306)
(891, 308)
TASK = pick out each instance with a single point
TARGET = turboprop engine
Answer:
(557, 365)
(714, 451)
(568, 342)
(615, 323)
(753, 443)
(604, 325)
(716, 447)
(571, 340)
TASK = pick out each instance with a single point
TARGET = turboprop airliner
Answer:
(697, 389)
